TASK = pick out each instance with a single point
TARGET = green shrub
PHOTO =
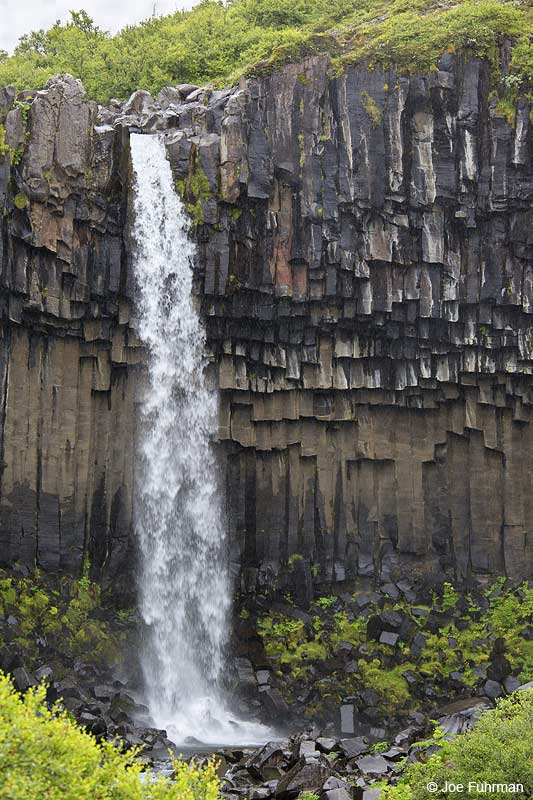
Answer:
(496, 751)
(390, 685)
(44, 754)
(217, 41)
(63, 612)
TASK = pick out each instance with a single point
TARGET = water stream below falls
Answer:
(184, 589)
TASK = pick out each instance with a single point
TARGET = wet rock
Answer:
(245, 672)
(391, 620)
(306, 775)
(371, 794)
(347, 718)
(391, 590)
(44, 673)
(499, 667)
(306, 748)
(406, 736)
(72, 704)
(461, 715)
(351, 748)
(263, 677)
(326, 745)
(261, 792)
(492, 689)
(373, 765)
(22, 679)
(140, 102)
(374, 627)
(394, 753)
(68, 688)
(341, 793)
(104, 692)
(390, 639)
(273, 702)
(344, 649)
(271, 755)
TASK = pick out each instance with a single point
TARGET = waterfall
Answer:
(184, 589)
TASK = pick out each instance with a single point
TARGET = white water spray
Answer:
(183, 584)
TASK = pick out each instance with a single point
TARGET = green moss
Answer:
(194, 190)
(233, 285)
(294, 559)
(326, 602)
(371, 108)
(198, 183)
(20, 200)
(460, 645)
(65, 612)
(235, 214)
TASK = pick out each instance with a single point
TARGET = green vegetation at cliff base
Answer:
(45, 754)
(59, 618)
(446, 648)
(218, 42)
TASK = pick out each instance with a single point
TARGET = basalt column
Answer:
(68, 367)
(364, 270)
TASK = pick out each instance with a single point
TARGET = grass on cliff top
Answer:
(217, 41)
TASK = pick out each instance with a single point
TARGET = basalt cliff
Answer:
(365, 274)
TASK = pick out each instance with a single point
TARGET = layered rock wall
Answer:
(68, 357)
(366, 278)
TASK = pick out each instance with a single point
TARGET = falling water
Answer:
(183, 583)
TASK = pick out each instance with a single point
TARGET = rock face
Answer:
(68, 358)
(365, 272)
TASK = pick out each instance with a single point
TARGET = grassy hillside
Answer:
(218, 41)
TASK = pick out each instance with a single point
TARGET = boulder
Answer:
(306, 776)
(273, 702)
(22, 680)
(373, 765)
(351, 748)
(390, 639)
(492, 689)
(347, 718)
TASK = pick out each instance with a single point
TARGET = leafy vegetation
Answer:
(44, 754)
(496, 751)
(457, 637)
(218, 41)
(61, 616)
(194, 190)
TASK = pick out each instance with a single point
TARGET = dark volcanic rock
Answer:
(353, 747)
(373, 765)
(367, 290)
(306, 775)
